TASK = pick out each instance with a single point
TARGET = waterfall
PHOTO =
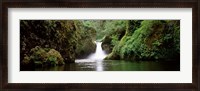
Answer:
(99, 53)
(95, 58)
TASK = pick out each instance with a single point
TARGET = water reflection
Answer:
(89, 64)
(99, 65)
(115, 65)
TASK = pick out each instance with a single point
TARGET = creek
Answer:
(95, 62)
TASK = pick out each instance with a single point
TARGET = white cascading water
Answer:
(99, 53)
(96, 58)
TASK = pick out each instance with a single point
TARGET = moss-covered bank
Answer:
(149, 39)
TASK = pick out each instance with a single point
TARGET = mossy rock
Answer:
(43, 57)
(55, 56)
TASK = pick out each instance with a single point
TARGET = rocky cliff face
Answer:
(64, 37)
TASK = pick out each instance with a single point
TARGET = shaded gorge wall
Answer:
(54, 42)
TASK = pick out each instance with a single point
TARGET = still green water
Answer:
(115, 65)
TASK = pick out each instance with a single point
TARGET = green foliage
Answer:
(105, 27)
(153, 39)
(132, 25)
(114, 26)
(98, 25)
(114, 40)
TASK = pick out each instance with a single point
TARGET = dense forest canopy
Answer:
(57, 42)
